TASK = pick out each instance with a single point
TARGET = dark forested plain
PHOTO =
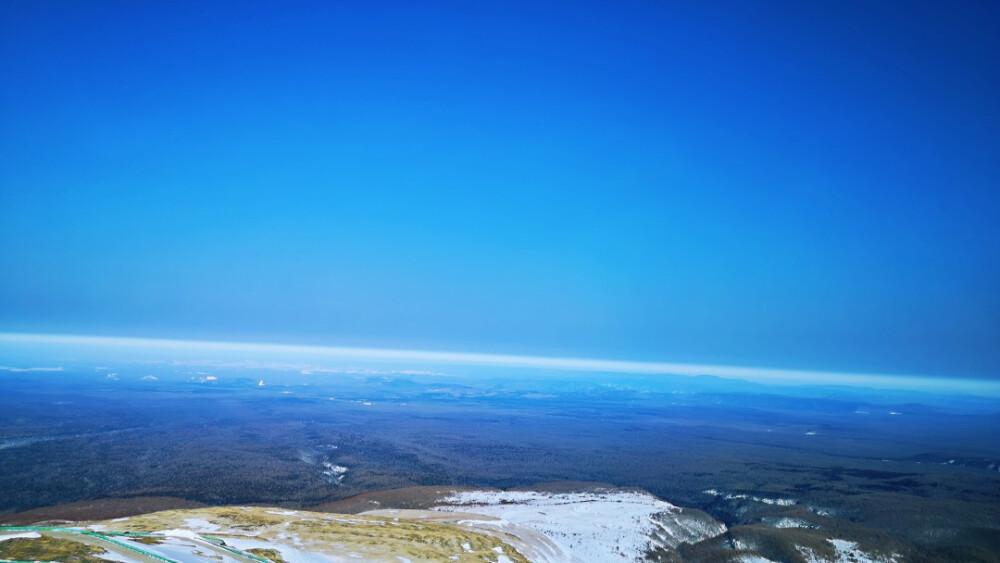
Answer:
(919, 474)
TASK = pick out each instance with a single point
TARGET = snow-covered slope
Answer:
(609, 525)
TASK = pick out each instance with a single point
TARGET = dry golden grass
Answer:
(374, 538)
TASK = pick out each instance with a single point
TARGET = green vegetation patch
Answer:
(50, 549)
(272, 555)
(148, 540)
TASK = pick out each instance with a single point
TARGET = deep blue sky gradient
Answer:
(803, 184)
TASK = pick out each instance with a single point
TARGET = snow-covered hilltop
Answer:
(488, 526)
(588, 524)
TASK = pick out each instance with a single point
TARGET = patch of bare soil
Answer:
(410, 497)
(97, 509)
(422, 498)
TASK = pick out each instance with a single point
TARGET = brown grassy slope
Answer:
(97, 509)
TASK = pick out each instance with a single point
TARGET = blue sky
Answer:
(782, 184)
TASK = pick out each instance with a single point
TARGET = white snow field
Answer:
(582, 527)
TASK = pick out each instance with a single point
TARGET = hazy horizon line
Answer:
(747, 373)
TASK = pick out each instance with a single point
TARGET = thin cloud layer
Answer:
(747, 373)
(16, 369)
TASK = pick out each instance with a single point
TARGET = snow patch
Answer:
(578, 527)
(765, 500)
(790, 523)
(29, 535)
(849, 551)
(201, 525)
(753, 559)
(334, 473)
(178, 533)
